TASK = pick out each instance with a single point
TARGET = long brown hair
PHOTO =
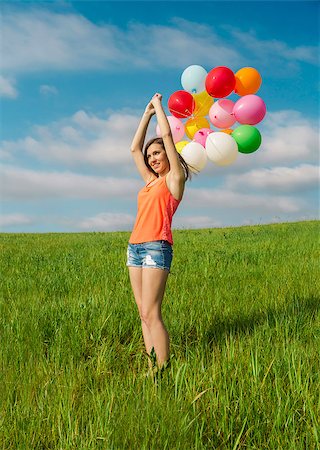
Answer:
(158, 140)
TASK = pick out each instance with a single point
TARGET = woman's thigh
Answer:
(153, 287)
(135, 274)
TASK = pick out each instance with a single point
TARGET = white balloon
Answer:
(193, 79)
(221, 148)
(195, 156)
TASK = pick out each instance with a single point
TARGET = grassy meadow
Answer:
(242, 311)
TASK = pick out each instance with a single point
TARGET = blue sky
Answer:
(76, 77)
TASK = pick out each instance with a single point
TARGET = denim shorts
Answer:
(153, 254)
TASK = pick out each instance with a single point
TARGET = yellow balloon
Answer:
(180, 145)
(203, 102)
(195, 124)
(227, 130)
(248, 81)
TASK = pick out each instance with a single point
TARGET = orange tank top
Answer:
(156, 207)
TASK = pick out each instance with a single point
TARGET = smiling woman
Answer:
(150, 245)
(156, 157)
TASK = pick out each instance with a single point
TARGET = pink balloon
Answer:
(221, 113)
(201, 136)
(177, 128)
(249, 109)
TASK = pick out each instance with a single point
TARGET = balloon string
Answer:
(180, 113)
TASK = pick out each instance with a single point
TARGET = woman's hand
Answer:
(156, 98)
(150, 109)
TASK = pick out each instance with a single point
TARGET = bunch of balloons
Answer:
(203, 104)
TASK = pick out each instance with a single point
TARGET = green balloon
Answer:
(247, 137)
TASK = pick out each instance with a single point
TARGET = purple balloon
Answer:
(249, 109)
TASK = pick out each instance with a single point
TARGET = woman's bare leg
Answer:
(135, 274)
(153, 287)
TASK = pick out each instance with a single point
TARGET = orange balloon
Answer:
(248, 81)
(195, 124)
(203, 102)
(227, 130)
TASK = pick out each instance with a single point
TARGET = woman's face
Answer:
(157, 159)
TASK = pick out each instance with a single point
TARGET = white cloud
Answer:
(8, 220)
(69, 41)
(48, 90)
(107, 222)
(7, 88)
(82, 139)
(104, 143)
(288, 136)
(26, 184)
(86, 139)
(278, 179)
(171, 46)
(197, 221)
(54, 41)
(290, 143)
(269, 50)
(230, 200)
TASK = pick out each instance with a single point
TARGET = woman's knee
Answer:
(150, 317)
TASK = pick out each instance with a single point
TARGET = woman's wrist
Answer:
(158, 107)
(148, 114)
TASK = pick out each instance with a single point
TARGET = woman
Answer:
(150, 246)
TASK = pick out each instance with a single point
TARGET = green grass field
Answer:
(242, 311)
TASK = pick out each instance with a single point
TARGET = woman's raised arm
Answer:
(138, 142)
(176, 176)
(172, 154)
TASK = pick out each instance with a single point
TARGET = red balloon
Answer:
(181, 104)
(220, 82)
